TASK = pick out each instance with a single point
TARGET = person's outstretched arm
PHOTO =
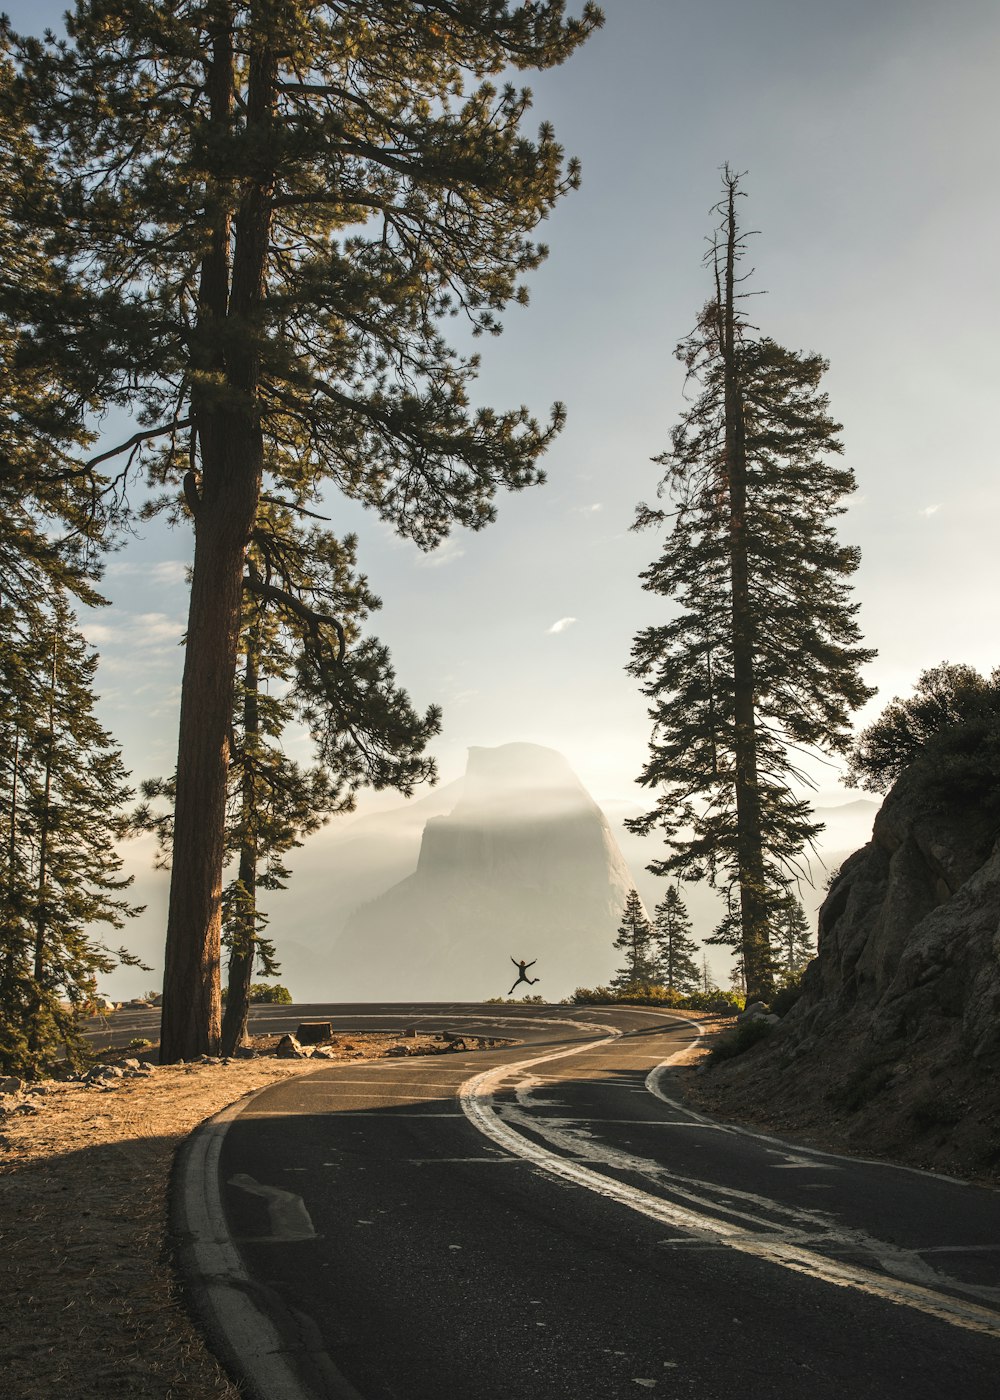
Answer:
(531, 964)
(515, 962)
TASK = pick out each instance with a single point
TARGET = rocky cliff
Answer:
(895, 1042)
(524, 865)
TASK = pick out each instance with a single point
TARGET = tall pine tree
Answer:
(279, 201)
(301, 664)
(761, 658)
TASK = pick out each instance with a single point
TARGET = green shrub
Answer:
(277, 995)
(862, 1084)
(715, 999)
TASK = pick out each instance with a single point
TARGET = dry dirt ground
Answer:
(90, 1307)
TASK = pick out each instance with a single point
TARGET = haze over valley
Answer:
(430, 898)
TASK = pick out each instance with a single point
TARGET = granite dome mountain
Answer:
(524, 865)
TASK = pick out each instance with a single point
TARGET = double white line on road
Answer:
(476, 1098)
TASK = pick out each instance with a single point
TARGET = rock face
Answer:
(523, 866)
(897, 1034)
(909, 934)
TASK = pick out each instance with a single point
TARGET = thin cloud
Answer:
(930, 510)
(445, 553)
(165, 573)
(589, 510)
(148, 632)
(561, 625)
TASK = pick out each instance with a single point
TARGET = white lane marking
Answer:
(225, 1294)
(289, 1218)
(371, 1114)
(804, 1164)
(506, 1161)
(476, 1100)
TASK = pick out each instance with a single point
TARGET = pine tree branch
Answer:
(135, 440)
(292, 506)
(315, 621)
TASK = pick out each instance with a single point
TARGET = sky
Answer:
(868, 134)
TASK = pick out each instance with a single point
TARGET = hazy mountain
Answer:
(524, 865)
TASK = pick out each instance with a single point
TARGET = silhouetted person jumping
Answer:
(522, 973)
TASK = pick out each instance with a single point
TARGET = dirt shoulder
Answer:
(91, 1306)
(915, 1109)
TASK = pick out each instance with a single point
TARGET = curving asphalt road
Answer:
(546, 1221)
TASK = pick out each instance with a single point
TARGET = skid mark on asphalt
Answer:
(912, 1282)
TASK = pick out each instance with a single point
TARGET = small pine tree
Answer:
(678, 970)
(61, 814)
(791, 938)
(635, 939)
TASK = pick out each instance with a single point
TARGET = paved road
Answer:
(545, 1222)
(119, 1027)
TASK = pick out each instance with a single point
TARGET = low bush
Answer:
(652, 994)
(785, 998)
(740, 1038)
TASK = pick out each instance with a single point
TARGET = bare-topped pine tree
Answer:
(760, 658)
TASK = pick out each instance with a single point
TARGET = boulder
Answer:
(288, 1048)
(11, 1085)
(99, 1073)
(756, 1008)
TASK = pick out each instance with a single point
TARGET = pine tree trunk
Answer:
(749, 840)
(231, 444)
(241, 953)
(191, 998)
